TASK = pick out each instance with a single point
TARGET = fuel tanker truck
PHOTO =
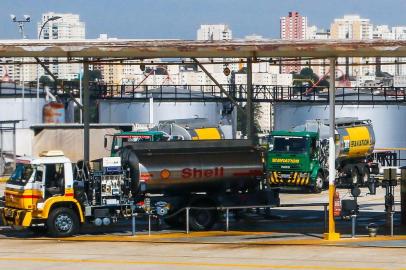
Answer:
(204, 175)
(298, 159)
(50, 193)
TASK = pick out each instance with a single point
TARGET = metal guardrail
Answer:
(13, 89)
(227, 211)
(390, 158)
(260, 93)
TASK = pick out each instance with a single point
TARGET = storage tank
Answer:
(137, 109)
(54, 112)
(388, 120)
(198, 166)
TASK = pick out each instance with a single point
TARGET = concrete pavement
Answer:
(52, 254)
(291, 240)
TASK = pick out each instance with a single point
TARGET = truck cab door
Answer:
(54, 182)
(38, 186)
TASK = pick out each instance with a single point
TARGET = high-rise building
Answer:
(353, 27)
(214, 32)
(382, 32)
(68, 26)
(293, 27)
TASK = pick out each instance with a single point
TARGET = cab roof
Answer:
(43, 160)
(308, 134)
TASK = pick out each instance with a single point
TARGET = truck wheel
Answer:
(365, 175)
(355, 176)
(62, 222)
(202, 219)
(319, 184)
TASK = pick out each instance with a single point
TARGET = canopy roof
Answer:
(201, 49)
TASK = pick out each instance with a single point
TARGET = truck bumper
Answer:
(16, 217)
(289, 179)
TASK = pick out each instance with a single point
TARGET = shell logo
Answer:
(165, 174)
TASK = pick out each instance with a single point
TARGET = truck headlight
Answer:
(40, 206)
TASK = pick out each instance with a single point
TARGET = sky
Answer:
(180, 19)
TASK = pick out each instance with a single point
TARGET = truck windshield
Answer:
(288, 144)
(22, 174)
(120, 140)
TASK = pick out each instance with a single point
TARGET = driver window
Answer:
(313, 146)
(54, 179)
(39, 173)
(117, 142)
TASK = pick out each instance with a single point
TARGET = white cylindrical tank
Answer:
(127, 109)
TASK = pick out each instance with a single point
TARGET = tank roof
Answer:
(173, 92)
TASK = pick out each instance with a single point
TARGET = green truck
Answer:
(166, 131)
(294, 160)
(298, 158)
(118, 140)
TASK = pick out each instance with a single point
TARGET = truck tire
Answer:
(319, 184)
(62, 222)
(355, 176)
(365, 175)
(202, 219)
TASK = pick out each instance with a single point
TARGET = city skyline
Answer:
(143, 19)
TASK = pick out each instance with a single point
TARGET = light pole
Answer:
(21, 23)
(53, 18)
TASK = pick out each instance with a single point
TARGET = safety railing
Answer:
(226, 210)
(260, 93)
(12, 89)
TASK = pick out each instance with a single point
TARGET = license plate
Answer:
(285, 175)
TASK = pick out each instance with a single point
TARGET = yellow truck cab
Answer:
(40, 194)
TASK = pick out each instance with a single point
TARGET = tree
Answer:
(242, 120)
(307, 78)
(307, 72)
(95, 75)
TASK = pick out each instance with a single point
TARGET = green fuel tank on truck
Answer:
(354, 141)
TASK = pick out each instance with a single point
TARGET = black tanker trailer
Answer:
(169, 176)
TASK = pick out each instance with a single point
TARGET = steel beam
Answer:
(14, 145)
(249, 106)
(222, 90)
(86, 113)
(56, 80)
(331, 235)
(143, 49)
